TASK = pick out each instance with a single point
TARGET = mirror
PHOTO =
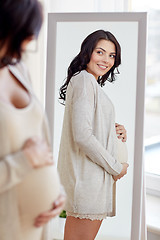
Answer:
(65, 35)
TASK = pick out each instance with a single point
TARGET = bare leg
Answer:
(78, 229)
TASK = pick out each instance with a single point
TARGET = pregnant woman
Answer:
(89, 164)
(29, 183)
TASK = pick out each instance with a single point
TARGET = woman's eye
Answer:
(112, 56)
(100, 52)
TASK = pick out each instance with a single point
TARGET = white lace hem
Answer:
(87, 216)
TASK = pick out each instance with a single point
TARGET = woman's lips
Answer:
(102, 67)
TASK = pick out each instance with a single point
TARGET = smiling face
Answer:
(102, 58)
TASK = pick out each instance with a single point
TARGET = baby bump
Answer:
(36, 194)
(122, 153)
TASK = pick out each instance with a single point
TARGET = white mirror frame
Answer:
(140, 18)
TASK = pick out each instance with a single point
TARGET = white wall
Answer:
(88, 6)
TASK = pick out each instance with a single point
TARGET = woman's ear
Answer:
(26, 41)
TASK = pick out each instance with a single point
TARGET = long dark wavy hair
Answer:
(80, 62)
(19, 20)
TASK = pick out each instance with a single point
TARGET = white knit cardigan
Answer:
(87, 150)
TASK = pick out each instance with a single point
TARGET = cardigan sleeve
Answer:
(83, 109)
(13, 168)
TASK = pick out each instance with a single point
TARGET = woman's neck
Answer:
(3, 72)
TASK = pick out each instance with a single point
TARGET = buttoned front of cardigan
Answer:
(87, 151)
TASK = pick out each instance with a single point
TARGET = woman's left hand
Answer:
(47, 216)
(121, 132)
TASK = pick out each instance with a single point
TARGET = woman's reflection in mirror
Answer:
(87, 162)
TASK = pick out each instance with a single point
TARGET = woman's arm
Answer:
(14, 167)
(82, 118)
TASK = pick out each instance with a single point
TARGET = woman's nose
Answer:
(106, 59)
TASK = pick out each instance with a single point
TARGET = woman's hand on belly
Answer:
(56, 210)
(121, 132)
(37, 152)
(123, 172)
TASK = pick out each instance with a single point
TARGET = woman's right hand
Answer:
(122, 173)
(56, 210)
(37, 152)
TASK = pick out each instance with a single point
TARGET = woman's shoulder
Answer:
(19, 67)
(83, 78)
(21, 72)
